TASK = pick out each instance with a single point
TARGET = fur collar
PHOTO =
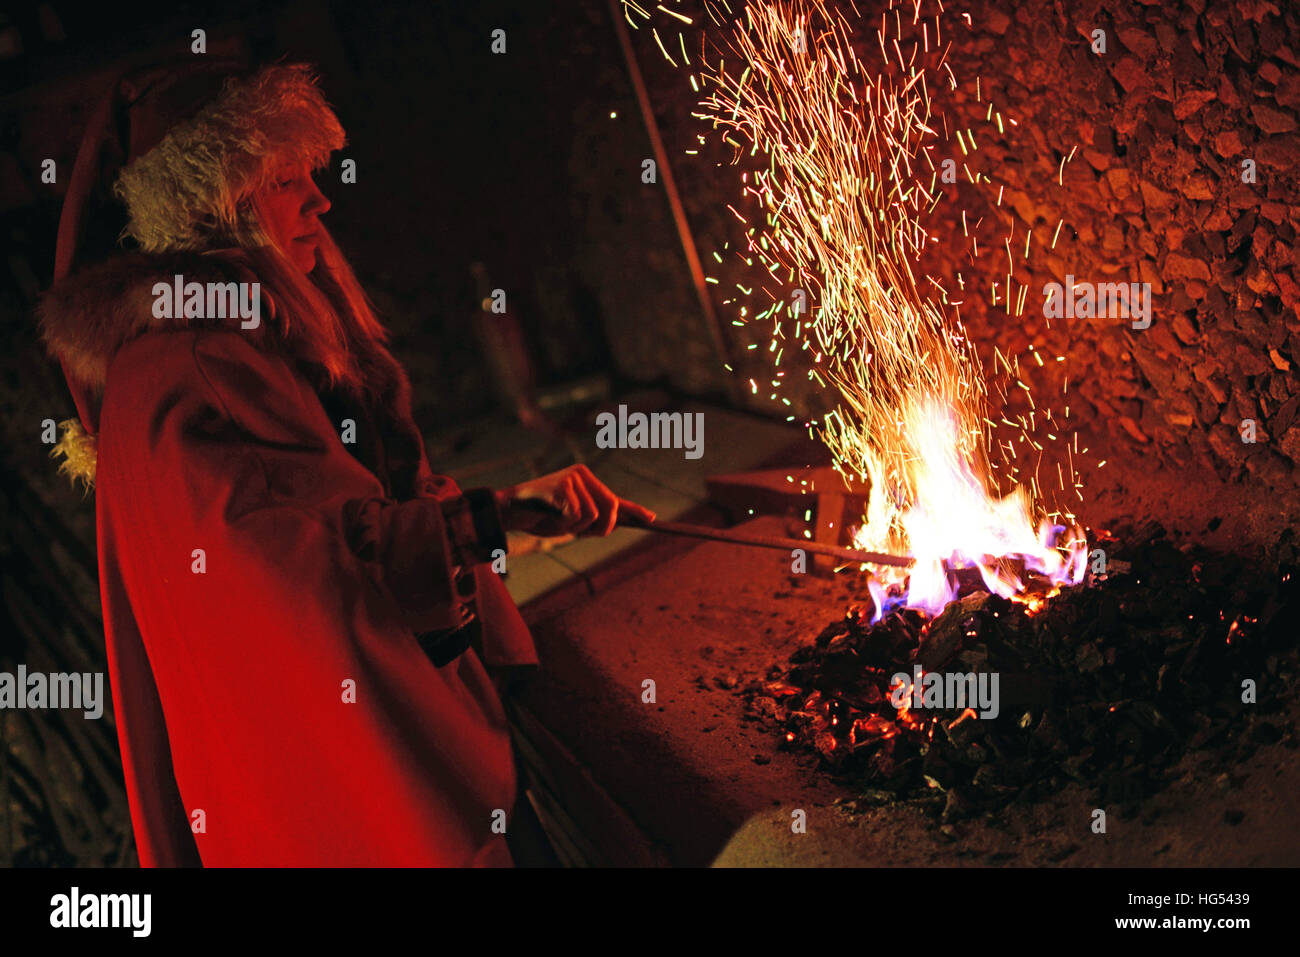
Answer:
(87, 317)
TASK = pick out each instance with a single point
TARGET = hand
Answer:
(571, 501)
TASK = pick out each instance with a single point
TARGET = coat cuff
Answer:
(474, 526)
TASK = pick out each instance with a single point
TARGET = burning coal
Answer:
(1120, 686)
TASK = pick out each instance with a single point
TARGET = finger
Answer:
(567, 500)
(588, 511)
(635, 511)
(607, 502)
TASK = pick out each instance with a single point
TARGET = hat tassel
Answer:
(80, 453)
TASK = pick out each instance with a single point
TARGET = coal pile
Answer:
(1108, 685)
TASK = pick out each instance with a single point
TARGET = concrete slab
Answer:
(533, 575)
(498, 453)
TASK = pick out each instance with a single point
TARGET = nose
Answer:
(316, 204)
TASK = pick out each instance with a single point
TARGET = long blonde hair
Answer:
(324, 314)
(323, 317)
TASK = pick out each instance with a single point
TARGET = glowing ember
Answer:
(843, 193)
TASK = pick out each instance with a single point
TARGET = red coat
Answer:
(229, 678)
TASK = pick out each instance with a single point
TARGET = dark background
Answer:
(462, 156)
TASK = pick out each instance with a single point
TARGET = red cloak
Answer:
(253, 569)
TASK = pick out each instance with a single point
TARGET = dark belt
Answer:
(444, 647)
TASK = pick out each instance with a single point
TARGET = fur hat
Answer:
(195, 177)
(202, 136)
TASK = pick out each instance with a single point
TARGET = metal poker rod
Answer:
(734, 537)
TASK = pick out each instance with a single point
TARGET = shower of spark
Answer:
(844, 152)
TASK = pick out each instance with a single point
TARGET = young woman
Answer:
(300, 615)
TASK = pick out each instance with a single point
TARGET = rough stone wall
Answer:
(1159, 125)
(1163, 121)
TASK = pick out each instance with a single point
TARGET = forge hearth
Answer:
(1108, 685)
(714, 626)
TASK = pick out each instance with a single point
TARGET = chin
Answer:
(306, 261)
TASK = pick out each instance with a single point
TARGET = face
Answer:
(291, 206)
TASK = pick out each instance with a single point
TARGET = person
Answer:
(302, 619)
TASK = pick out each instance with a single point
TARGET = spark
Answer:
(673, 13)
(839, 198)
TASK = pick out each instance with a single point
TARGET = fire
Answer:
(844, 136)
(952, 522)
